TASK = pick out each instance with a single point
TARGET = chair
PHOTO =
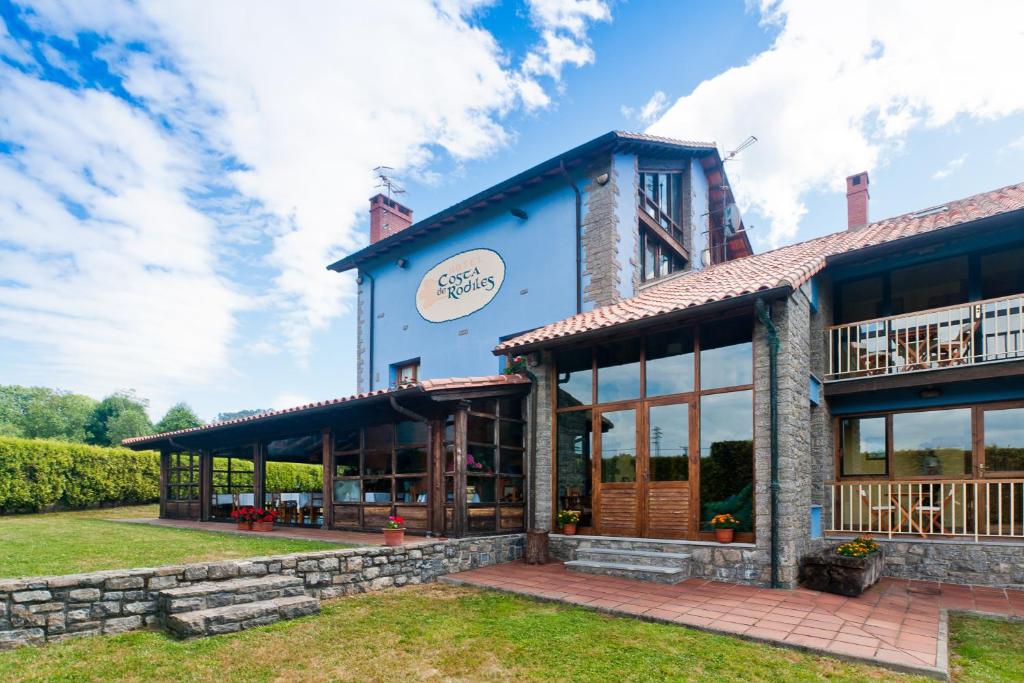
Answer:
(876, 509)
(958, 351)
(930, 511)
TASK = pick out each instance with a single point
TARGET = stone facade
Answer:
(540, 446)
(822, 442)
(54, 608)
(989, 563)
(796, 464)
(600, 236)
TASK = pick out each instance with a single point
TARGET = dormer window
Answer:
(659, 196)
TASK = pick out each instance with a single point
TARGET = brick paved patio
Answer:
(898, 623)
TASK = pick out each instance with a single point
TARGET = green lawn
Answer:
(72, 542)
(986, 649)
(434, 633)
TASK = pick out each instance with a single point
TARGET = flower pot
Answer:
(245, 526)
(262, 526)
(569, 529)
(724, 535)
(830, 572)
(394, 537)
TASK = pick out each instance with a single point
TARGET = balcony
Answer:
(978, 509)
(976, 333)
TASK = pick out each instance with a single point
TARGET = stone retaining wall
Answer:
(53, 608)
(984, 564)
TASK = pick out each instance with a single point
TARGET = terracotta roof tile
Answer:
(789, 266)
(426, 386)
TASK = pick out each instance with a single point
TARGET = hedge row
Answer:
(38, 475)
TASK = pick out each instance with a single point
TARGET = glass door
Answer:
(665, 472)
(617, 499)
(1002, 467)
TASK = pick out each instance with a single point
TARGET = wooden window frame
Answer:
(643, 402)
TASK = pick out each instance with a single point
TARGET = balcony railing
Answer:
(973, 508)
(966, 334)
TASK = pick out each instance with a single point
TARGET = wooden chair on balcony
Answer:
(930, 511)
(958, 350)
(878, 509)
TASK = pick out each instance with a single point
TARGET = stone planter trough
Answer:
(830, 572)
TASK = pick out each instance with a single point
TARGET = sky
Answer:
(174, 177)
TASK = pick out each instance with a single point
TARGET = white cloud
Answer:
(249, 145)
(841, 87)
(650, 111)
(951, 167)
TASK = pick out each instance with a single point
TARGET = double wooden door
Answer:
(645, 468)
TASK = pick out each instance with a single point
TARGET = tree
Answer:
(41, 413)
(119, 416)
(221, 417)
(179, 416)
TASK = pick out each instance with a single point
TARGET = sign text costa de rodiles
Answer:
(460, 285)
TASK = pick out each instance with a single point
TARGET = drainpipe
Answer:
(359, 281)
(773, 397)
(579, 237)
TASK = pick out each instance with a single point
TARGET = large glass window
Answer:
(232, 485)
(670, 442)
(726, 354)
(618, 371)
(929, 285)
(183, 476)
(494, 465)
(294, 480)
(862, 440)
(1004, 440)
(727, 457)
(935, 443)
(1002, 273)
(575, 378)
(669, 360)
(573, 464)
(618, 446)
(862, 299)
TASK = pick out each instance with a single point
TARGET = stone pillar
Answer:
(540, 445)
(792, 318)
(600, 235)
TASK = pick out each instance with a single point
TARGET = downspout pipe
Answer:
(369, 342)
(579, 236)
(764, 315)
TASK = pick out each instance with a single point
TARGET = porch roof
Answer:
(781, 270)
(451, 387)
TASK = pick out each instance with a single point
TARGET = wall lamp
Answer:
(930, 392)
(518, 213)
(401, 263)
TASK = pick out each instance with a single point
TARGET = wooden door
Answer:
(616, 474)
(665, 465)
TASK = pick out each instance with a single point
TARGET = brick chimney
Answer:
(857, 201)
(387, 217)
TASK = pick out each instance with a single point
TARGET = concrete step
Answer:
(231, 618)
(646, 558)
(630, 571)
(210, 594)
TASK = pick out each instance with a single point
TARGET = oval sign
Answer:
(460, 285)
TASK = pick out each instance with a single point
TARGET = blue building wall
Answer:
(539, 288)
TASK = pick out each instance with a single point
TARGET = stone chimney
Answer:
(387, 217)
(857, 201)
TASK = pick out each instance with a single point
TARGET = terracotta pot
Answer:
(569, 529)
(245, 526)
(262, 526)
(394, 536)
(724, 535)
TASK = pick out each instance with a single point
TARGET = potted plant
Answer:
(848, 569)
(244, 517)
(264, 520)
(568, 519)
(516, 366)
(394, 531)
(725, 526)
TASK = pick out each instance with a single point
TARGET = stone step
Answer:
(210, 594)
(646, 558)
(630, 571)
(231, 618)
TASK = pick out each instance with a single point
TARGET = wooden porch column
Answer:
(259, 472)
(328, 477)
(205, 483)
(461, 511)
(435, 477)
(165, 463)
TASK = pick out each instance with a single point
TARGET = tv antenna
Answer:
(742, 146)
(385, 181)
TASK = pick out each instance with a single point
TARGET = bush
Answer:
(37, 475)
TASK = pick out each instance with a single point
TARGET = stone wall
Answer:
(988, 563)
(540, 435)
(602, 272)
(54, 608)
(822, 442)
(792, 319)
(735, 563)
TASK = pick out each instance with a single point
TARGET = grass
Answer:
(73, 542)
(986, 649)
(434, 633)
